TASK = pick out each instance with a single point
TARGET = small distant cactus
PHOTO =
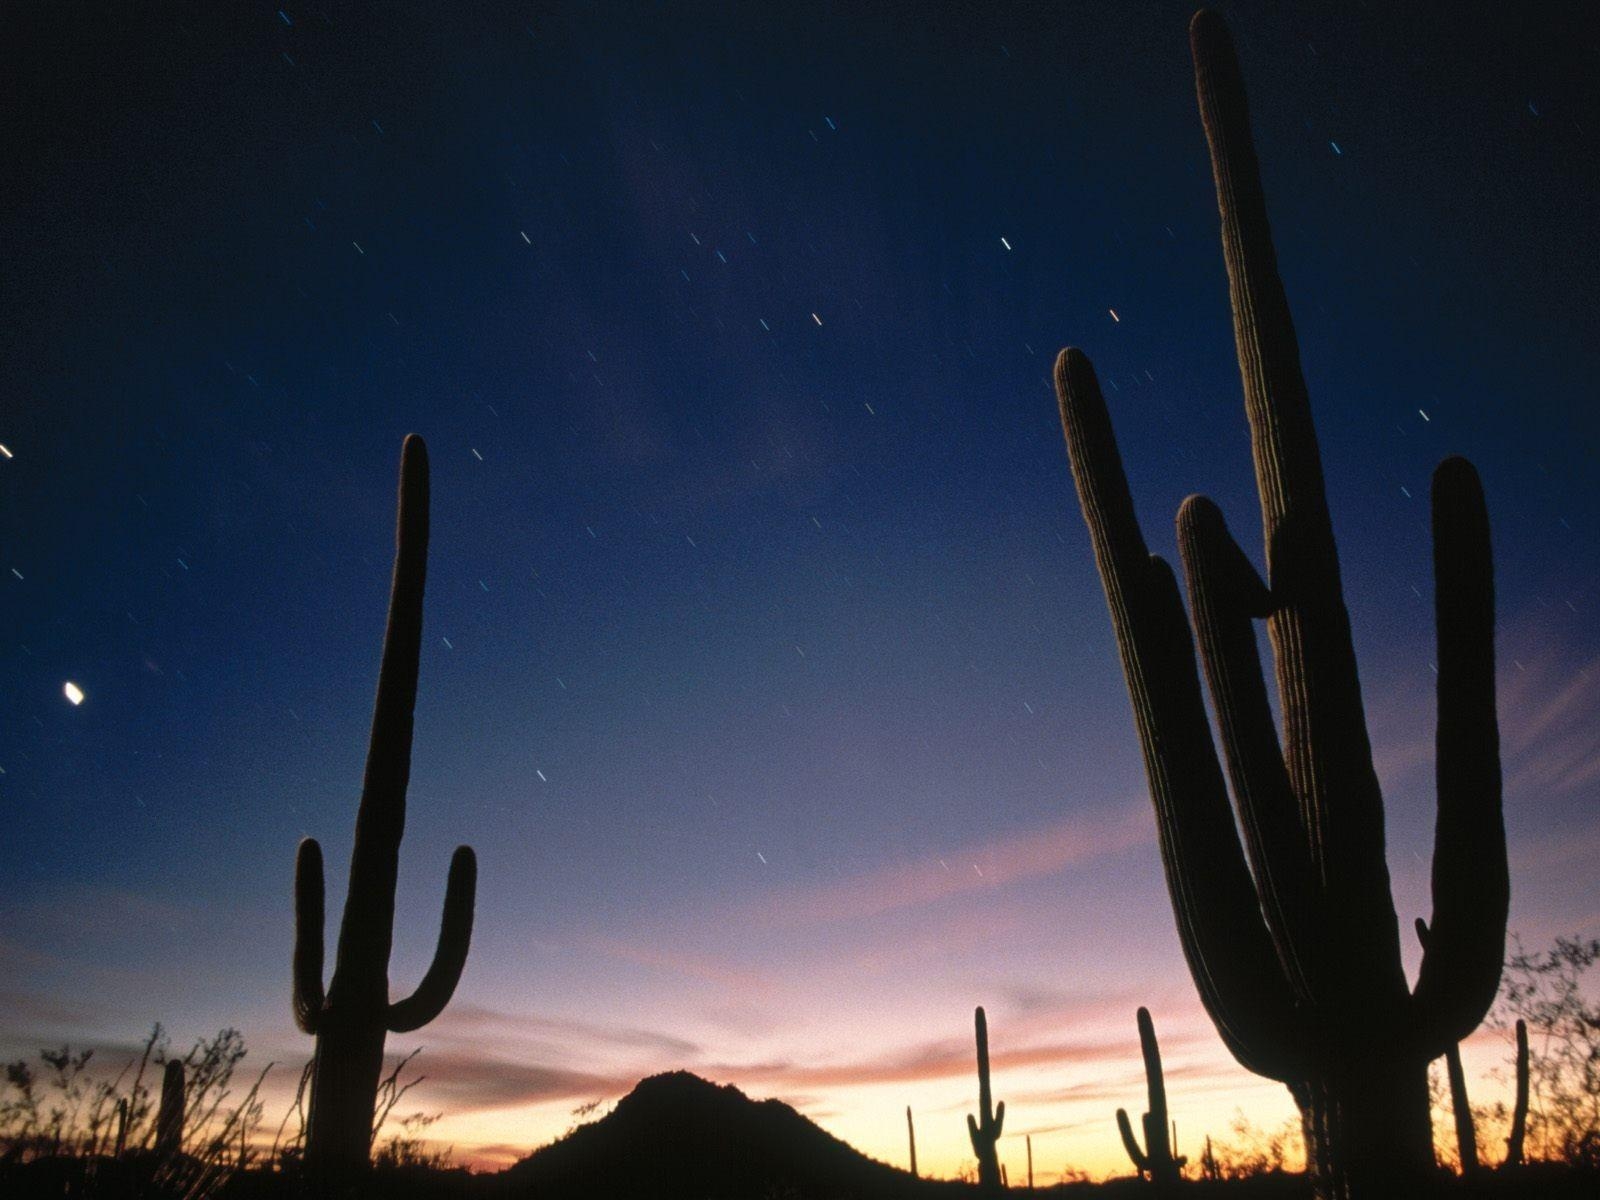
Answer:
(120, 1143)
(1519, 1111)
(351, 1019)
(1156, 1162)
(911, 1135)
(985, 1128)
(1210, 1170)
(169, 1115)
(1029, 1140)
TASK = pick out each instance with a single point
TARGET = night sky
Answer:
(765, 664)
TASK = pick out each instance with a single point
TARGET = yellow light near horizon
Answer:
(72, 692)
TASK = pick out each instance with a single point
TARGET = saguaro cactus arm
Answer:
(1225, 596)
(308, 922)
(1230, 952)
(1130, 1143)
(1471, 884)
(449, 956)
(1328, 756)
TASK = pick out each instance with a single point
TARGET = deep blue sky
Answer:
(753, 531)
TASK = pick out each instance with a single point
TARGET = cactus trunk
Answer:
(1367, 1127)
(1290, 933)
(344, 1089)
(352, 1019)
(1461, 1109)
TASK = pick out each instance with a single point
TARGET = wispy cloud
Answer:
(1550, 724)
(476, 1023)
(495, 1156)
(32, 1011)
(965, 869)
(1549, 707)
(686, 963)
(952, 1058)
(475, 1083)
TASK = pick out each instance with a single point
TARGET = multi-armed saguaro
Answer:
(1292, 938)
(984, 1129)
(351, 1020)
(1155, 1161)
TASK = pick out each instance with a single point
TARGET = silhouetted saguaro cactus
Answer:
(1029, 1140)
(351, 1020)
(985, 1128)
(1460, 1106)
(1519, 1110)
(911, 1136)
(1292, 938)
(169, 1114)
(1156, 1161)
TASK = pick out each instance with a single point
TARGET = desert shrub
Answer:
(1253, 1151)
(1557, 992)
(99, 1126)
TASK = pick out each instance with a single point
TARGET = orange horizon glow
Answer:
(1072, 1126)
(849, 997)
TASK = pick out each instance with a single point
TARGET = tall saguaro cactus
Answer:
(1291, 937)
(351, 1020)
(984, 1129)
(1156, 1160)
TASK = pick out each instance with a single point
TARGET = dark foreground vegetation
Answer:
(678, 1137)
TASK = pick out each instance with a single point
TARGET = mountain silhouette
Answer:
(677, 1136)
